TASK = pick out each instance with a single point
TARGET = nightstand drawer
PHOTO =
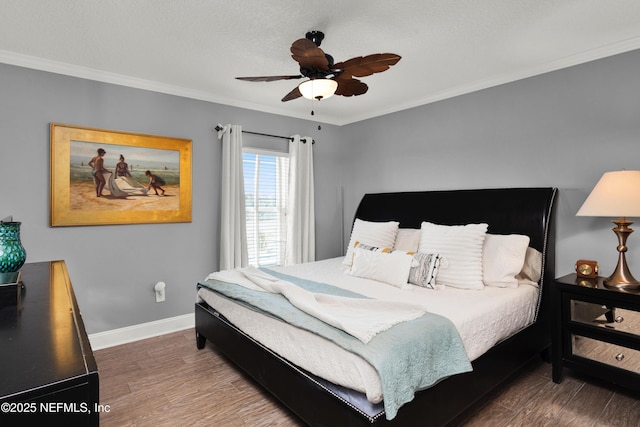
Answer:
(607, 353)
(604, 316)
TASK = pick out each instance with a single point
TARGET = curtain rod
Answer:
(218, 128)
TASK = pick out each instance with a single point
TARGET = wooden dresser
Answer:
(48, 374)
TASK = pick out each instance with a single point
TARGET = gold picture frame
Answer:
(157, 188)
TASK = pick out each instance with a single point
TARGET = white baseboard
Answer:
(142, 331)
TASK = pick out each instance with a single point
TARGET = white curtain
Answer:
(233, 233)
(301, 238)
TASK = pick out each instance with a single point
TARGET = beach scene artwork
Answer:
(124, 192)
(109, 177)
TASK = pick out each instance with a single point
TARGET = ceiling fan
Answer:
(325, 77)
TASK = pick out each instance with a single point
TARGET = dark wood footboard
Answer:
(298, 390)
(318, 404)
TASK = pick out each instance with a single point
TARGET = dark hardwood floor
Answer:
(166, 381)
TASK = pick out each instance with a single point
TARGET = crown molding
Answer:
(57, 67)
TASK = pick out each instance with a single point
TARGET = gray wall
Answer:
(114, 268)
(562, 129)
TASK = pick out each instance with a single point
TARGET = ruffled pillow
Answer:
(380, 234)
(461, 247)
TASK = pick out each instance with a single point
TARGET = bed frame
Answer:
(319, 403)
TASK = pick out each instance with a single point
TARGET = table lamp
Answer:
(617, 194)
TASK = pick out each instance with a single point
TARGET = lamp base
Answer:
(612, 282)
(622, 277)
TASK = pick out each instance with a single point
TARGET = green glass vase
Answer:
(12, 253)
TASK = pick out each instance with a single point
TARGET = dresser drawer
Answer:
(607, 353)
(604, 316)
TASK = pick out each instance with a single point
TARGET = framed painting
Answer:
(105, 177)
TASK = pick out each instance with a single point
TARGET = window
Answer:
(266, 183)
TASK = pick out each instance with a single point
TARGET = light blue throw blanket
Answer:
(408, 357)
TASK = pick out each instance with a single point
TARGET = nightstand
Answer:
(596, 331)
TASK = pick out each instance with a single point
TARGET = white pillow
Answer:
(532, 268)
(382, 234)
(386, 266)
(408, 239)
(461, 247)
(503, 258)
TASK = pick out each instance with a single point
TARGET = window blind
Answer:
(266, 176)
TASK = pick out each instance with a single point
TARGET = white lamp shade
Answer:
(318, 88)
(617, 194)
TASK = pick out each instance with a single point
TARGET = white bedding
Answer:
(362, 318)
(483, 318)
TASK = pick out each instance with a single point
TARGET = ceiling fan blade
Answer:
(295, 93)
(350, 87)
(308, 55)
(362, 66)
(268, 78)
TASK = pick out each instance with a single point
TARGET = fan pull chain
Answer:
(313, 113)
(319, 98)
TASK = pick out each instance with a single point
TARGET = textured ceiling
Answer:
(195, 48)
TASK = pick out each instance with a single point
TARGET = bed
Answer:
(319, 401)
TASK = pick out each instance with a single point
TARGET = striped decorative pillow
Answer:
(425, 272)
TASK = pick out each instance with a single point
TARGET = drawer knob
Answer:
(619, 319)
(619, 357)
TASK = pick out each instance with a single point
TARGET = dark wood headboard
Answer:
(506, 210)
(527, 211)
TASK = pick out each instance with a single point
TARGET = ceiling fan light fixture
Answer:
(326, 78)
(317, 89)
